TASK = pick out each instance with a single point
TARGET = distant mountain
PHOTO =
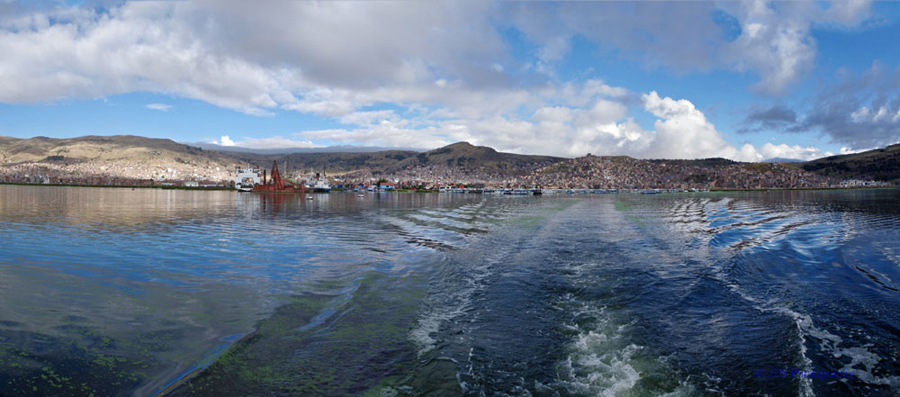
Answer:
(115, 148)
(102, 159)
(782, 160)
(878, 164)
(139, 157)
(460, 158)
(326, 149)
(483, 159)
(106, 158)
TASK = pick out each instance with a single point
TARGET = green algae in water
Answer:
(57, 366)
(361, 346)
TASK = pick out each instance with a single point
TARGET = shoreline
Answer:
(218, 188)
(226, 188)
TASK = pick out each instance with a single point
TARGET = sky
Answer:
(743, 80)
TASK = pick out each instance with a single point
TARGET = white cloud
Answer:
(881, 114)
(796, 152)
(446, 59)
(334, 58)
(846, 150)
(368, 117)
(776, 46)
(776, 41)
(276, 142)
(385, 133)
(864, 115)
(861, 114)
(682, 131)
(159, 106)
(599, 127)
(773, 41)
(553, 115)
(225, 140)
(603, 112)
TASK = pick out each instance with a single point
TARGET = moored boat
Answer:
(320, 185)
(246, 178)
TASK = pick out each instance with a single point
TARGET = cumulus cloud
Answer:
(682, 131)
(159, 106)
(225, 140)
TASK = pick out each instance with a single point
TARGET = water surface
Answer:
(143, 292)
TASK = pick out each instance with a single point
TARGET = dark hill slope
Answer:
(878, 164)
(477, 158)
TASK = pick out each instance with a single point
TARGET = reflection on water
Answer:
(137, 292)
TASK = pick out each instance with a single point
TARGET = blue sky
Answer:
(746, 80)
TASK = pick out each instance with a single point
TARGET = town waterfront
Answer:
(182, 292)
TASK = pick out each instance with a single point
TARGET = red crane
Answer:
(277, 184)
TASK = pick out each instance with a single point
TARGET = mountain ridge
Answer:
(136, 157)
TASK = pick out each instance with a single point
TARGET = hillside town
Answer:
(593, 172)
(589, 172)
(122, 173)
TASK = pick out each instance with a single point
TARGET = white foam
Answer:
(452, 300)
(862, 361)
(599, 359)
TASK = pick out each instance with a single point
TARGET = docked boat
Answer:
(246, 178)
(320, 185)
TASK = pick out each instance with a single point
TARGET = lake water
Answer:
(149, 292)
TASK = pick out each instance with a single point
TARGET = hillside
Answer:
(477, 158)
(107, 159)
(878, 164)
(341, 162)
(102, 148)
(125, 159)
(616, 172)
(459, 161)
(111, 157)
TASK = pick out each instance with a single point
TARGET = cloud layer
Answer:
(446, 70)
(858, 112)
